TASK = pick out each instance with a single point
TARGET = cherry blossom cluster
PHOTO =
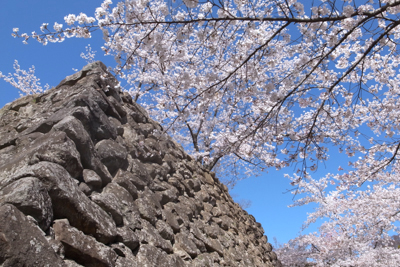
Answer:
(24, 80)
(58, 34)
(90, 55)
(246, 85)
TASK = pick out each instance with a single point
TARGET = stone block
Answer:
(22, 243)
(81, 248)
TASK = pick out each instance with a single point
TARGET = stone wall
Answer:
(88, 179)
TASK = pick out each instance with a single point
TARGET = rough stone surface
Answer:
(29, 196)
(86, 179)
(22, 243)
(82, 248)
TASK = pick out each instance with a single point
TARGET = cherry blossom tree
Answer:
(247, 85)
(24, 80)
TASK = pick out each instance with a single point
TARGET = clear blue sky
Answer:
(55, 61)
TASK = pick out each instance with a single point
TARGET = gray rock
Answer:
(206, 260)
(147, 209)
(81, 248)
(22, 243)
(211, 244)
(151, 256)
(165, 230)
(149, 235)
(87, 190)
(110, 205)
(117, 125)
(112, 155)
(71, 263)
(54, 147)
(169, 195)
(92, 179)
(69, 202)
(125, 256)
(30, 197)
(139, 169)
(171, 218)
(115, 200)
(182, 242)
(58, 148)
(77, 133)
(8, 136)
(97, 122)
(132, 219)
(127, 237)
(150, 151)
(130, 182)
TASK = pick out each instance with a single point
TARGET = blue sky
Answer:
(55, 61)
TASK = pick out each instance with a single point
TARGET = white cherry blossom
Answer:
(249, 85)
